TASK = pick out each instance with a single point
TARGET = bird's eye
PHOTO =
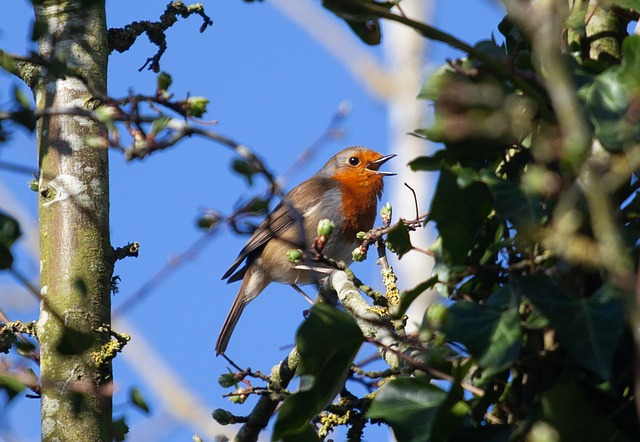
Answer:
(354, 161)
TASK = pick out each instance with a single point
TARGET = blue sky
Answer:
(273, 88)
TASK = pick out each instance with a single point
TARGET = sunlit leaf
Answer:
(327, 342)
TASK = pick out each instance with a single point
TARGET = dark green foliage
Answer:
(327, 341)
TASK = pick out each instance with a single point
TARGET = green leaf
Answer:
(245, 169)
(11, 385)
(163, 81)
(196, 106)
(588, 328)
(606, 102)
(410, 406)
(364, 24)
(21, 99)
(429, 163)
(327, 342)
(459, 214)
(159, 124)
(628, 4)
(6, 257)
(398, 240)
(119, 429)
(408, 296)
(436, 82)
(629, 70)
(493, 337)
(136, 399)
(512, 204)
(9, 233)
(566, 408)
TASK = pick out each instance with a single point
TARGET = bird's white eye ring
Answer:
(354, 161)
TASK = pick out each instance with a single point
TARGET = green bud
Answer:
(223, 417)
(436, 316)
(358, 255)
(239, 397)
(96, 141)
(197, 438)
(361, 235)
(294, 255)
(196, 106)
(106, 114)
(386, 211)
(389, 245)
(163, 81)
(33, 185)
(325, 227)
(208, 221)
(460, 409)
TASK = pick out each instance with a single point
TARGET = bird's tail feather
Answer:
(230, 323)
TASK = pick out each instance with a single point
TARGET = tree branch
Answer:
(121, 39)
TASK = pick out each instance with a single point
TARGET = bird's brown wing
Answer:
(306, 195)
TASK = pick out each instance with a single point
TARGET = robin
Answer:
(346, 191)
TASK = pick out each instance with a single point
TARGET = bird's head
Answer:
(357, 166)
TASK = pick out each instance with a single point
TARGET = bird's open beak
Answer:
(375, 165)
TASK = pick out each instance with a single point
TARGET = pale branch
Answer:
(372, 324)
(258, 419)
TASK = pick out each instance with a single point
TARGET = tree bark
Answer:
(76, 255)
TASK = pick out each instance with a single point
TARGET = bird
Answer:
(345, 190)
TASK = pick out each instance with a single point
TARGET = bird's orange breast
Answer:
(360, 193)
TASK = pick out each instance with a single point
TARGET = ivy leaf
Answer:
(512, 204)
(327, 342)
(566, 408)
(459, 214)
(491, 336)
(588, 328)
(410, 406)
(606, 102)
(398, 240)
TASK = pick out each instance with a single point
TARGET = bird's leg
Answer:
(300, 291)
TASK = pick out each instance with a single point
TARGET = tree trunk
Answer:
(76, 255)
